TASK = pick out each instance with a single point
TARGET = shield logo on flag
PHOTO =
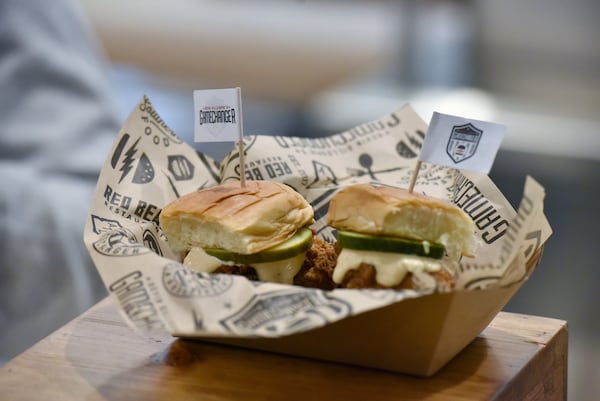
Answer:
(463, 142)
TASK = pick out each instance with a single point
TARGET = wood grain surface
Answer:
(98, 357)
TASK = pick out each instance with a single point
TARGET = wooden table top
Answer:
(98, 357)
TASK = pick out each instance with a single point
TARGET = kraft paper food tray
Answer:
(417, 336)
(149, 165)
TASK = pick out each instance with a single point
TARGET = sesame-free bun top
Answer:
(384, 210)
(245, 220)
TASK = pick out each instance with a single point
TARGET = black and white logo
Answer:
(125, 158)
(287, 311)
(323, 175)
(183, 282)
(463, 142)
(156, 129)
(181, 168)
(150, 242)
(114, 239)
(216, 115)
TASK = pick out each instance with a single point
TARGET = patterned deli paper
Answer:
(149, 166)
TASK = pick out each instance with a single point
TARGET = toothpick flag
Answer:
(461, 143)
(218, 118)
(218, 115)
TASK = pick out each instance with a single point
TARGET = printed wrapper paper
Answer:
(149, 166)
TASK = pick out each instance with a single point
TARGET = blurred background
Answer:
(309, 68)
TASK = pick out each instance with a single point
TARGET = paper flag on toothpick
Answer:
(462, 143)
(218, 115)
(218, 118)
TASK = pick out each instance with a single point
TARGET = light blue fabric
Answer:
(57, 124)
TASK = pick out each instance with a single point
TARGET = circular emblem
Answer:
(183, 282)
(151, 242)
(119, 242)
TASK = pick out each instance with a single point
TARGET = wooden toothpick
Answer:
(241, 140)
(413, 179)
(242, 163)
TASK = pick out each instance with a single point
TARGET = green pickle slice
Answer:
(366, 242)
(299, 243)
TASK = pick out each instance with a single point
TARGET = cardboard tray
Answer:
(416, 336)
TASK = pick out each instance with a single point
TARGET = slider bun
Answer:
(394, 211)
(243, 220)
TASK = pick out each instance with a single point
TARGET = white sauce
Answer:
(391, 268)
(280, 271)
(198, 260)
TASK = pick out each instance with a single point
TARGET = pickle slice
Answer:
(298, 243)
(366, 242)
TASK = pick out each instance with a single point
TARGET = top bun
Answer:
(245, 220)
(394, 211)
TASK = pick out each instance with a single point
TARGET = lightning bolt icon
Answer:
(127, 163)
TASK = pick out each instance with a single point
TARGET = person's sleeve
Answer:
(57, 123)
